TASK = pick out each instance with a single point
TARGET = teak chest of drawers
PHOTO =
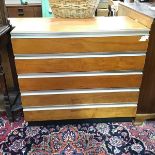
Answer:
(78, 69)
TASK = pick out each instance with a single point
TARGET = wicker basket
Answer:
(74, 8)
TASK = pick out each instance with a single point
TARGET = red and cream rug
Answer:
(86, 138)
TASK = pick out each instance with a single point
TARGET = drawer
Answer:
(79, 63)
(83, 96)
(20, 11)
(66, 45)
(78, 81)
(31, 114)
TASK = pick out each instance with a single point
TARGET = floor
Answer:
(78, 138)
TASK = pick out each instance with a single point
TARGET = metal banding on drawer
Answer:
(77, 74)
(79, 91)
(79, 106)
(78, 55)
(133, 32)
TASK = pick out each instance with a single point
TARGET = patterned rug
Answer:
(89, 138)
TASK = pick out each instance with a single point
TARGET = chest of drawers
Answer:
(84, 69)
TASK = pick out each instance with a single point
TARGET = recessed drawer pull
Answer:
(20, 9)
(133, 32)
(74, 107)
(79, 91)
(77, 74)
(77, 55)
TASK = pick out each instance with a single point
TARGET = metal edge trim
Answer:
(77, 74)
(78, 91)
(82, 106)
(4, 29)
(129, 32)
(77, 55)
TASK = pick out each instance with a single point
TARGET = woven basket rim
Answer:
(74, 8)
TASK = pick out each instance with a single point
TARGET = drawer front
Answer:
(13, 12)
(71, 45)
(74, 97)
(20, 11)
(87, 113)
(80, 64)
(27, 83)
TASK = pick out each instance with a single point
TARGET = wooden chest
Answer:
(78, 69)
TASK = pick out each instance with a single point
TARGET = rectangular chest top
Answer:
(69, 28)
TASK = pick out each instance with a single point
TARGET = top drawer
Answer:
(71, 45)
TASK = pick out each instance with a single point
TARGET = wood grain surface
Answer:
(70, 45)
(80, 64)
(30, 84)
(56, 25)
(69, 99)
(80, 114)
